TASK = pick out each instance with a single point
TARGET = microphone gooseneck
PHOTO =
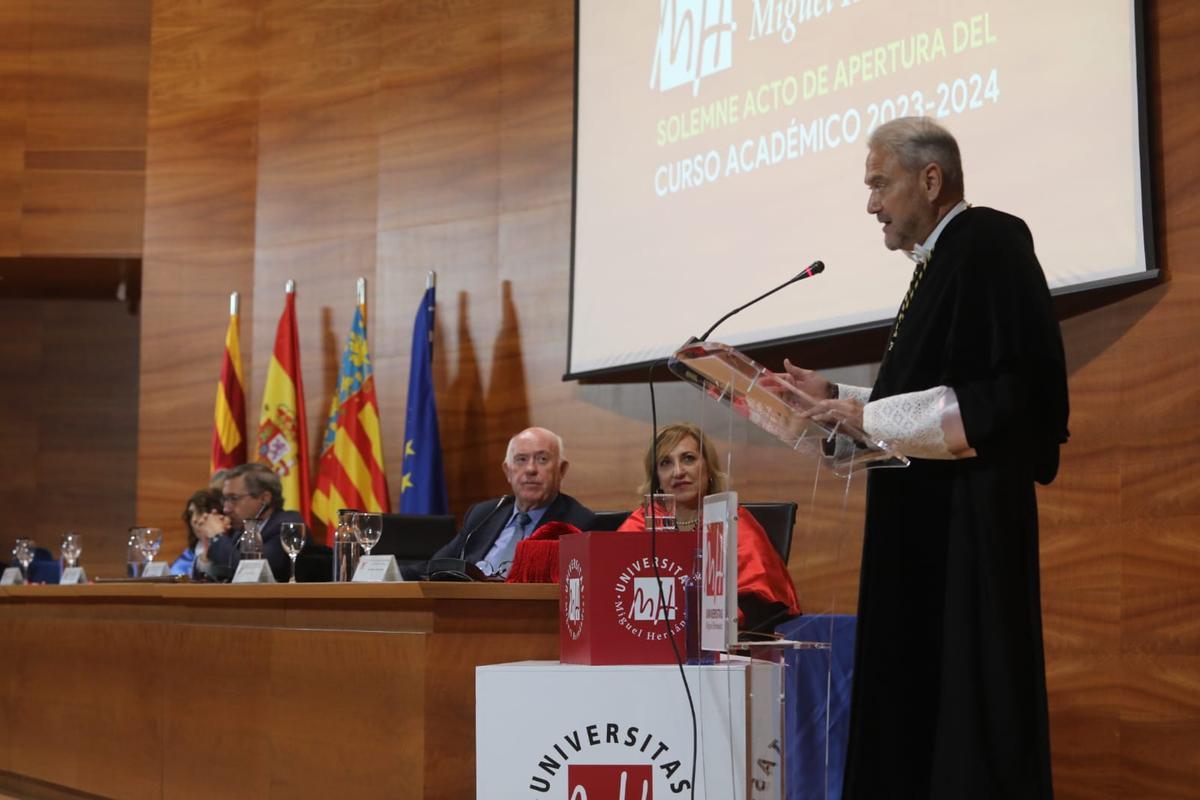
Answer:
(467, 539)
(815, 268)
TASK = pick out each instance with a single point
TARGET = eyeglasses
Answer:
(233, 498)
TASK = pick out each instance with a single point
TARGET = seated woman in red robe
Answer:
(686, 465)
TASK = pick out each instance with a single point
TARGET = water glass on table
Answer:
(23, 551)
(367, 529)
(292, 536)
(659, 510)
(148, 541)
(71, 547)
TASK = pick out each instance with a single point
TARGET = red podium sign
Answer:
(611, 610)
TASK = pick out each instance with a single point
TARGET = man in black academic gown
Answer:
(949, 697)
(534, 467)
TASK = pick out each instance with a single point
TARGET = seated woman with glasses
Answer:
(203, 519)
(685, 463)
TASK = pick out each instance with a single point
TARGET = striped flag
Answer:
(350, 472)
(283, 425)
(229, 416)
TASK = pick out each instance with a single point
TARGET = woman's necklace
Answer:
(686, 523)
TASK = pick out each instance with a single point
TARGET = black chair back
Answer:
(314, 564)
(779, 521)
(414, 537)
(609, 520)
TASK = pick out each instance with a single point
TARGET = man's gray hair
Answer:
(918, 141)
(260, 478)
(562, 451)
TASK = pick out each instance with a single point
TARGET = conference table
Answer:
(132, 690)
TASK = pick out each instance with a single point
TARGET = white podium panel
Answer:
(575, 732)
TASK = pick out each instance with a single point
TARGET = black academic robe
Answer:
(949, 695)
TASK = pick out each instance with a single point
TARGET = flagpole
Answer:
(233, 304)
(289, 287)
(362, 299)
(431, 280)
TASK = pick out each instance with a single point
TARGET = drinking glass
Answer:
(367, 529)
(23, 550)
(291, 536)
(149, 540)
(660, 512)
(71, 548)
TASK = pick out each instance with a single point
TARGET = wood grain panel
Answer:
(74, 96)
(14, 81)
(247, 692)
(199, 240)
(68, 422)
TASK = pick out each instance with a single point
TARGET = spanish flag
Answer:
(350, 472)
(229, 417)
(283, 425)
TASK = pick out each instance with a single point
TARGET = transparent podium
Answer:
(755, 393)
(814, 652)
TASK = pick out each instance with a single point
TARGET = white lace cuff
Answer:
(848, 392)
(920, 424)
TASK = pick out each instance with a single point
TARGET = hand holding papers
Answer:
(778, 405)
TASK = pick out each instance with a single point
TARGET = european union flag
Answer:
(423, 485)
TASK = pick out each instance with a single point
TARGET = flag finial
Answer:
(233, 304)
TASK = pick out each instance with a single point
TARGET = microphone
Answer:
(459, 569)
(467, 539)
(815, 268)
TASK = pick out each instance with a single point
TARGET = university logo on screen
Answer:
(625, 762)
(695, 40)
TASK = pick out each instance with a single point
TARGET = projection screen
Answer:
(720, 148)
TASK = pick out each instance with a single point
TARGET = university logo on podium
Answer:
(615, 781)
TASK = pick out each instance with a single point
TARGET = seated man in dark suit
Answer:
(534, 466)
(251, 491)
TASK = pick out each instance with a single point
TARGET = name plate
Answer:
(377, 569)
(11, 577)
(254, 570)
(74, 575)
(156, 569)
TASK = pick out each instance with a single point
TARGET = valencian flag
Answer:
(350, 472)
(423, 485)
(229, 416)
(283, 425)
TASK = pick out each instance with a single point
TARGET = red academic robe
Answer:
(762, 574)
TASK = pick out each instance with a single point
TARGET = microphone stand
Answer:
(459, 569)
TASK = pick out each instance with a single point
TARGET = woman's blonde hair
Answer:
(667, 440)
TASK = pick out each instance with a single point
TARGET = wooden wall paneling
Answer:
(86, 128)
(21, 365)
(67, 425)
(1160, 499)
(14, 68)
(440, 103)
(317, 189)
(86, 462)
(199, 238)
